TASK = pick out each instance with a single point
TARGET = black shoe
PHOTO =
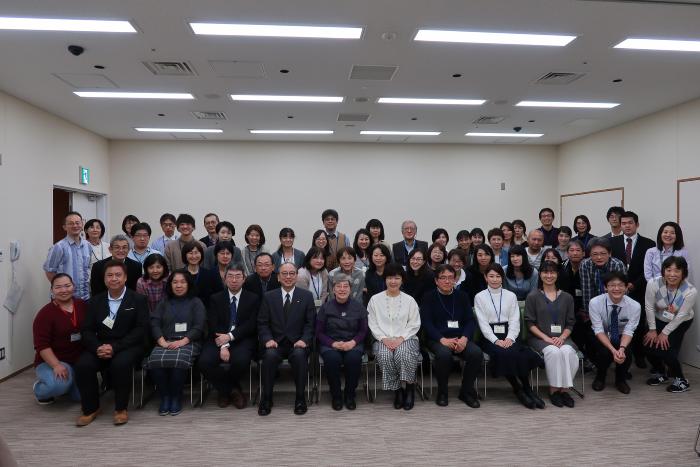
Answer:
(350, 403)
(337, 403)
(623, 387)
(598, 384)
(556, 399)
(470, 399)
(264, 408)
(539, 403)
(525, 399)
(410, 396)
(175, 406)
(300, 407)
(567, 399)
(441, 399)
(399, 398)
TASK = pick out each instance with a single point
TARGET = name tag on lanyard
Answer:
(499, 328)
(555, 328)
(453, 324)
(109, 322)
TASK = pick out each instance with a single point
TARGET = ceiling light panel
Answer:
(273, 30)
(506, 135)
(134, 95)
(269, 98)
(400, 133)
(179, 130)
(474, 37)
(659, 44)
(567, 105)
(291, 132)
(420, 101)
(74, 25)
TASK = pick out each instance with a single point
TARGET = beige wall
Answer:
(39, 151)
(280, 184)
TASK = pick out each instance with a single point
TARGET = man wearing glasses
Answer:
(71, 256)
(119, 248)
(401, 249)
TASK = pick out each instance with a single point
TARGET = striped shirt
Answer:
(73, 258)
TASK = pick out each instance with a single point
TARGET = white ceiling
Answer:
(503, 75)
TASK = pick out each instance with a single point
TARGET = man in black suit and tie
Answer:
(264, 279)
(119, 247)
(630, 248)
(286, 330)
(113, 335)
(232, 318)
(401, 249)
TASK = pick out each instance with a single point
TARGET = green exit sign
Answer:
(84, 175)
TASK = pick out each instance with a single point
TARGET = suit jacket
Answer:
(130, 326)
(134, 270)
(635, 268)
(399, 251)
(252, 284)
(207, 282)
(297, 324)
(219, 315)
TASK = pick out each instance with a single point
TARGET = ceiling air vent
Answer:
(170, 68)
(209, 115)
(488, 120)
(350, 117)
(559, 78)
(371, 72)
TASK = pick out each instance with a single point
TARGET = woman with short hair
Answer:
(225, 232)
(521, 277)
(380, 257)
(152, 283)
(519, 233)
(320, 240)
(419, 278)
(376, 232)
(313, 275)
(206, 281)
(669, 242)
(360, 245)
(582, 227)
(255, 244)
(94, 232)
(437, 255)
(347, 259)
(441, 237)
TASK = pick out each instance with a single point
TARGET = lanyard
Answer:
(670, 300)
(500, 306)
(452, 315)
(140, 258)
(72, 316)
(317, 289)
(102, 251)
(608, 311)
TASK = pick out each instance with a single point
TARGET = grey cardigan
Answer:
(538, 313)
(191, 311)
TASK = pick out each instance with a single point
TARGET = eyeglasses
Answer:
(288, 273)
(599, 255)
(141, 235)
(446, 278)
(235, 276)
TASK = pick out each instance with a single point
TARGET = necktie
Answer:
(287, 305)
(614, 326)
(234, 310)
(628, 251)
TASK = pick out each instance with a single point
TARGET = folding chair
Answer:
(573, 388)
(420, 385)
(365, 365)
(142, 402)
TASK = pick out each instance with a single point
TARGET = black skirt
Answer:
(513, 361)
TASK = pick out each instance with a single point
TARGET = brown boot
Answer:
(238, 399)
(85, 420)
(120, 417)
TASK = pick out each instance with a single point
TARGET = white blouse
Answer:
(497, 306)
(393, 316)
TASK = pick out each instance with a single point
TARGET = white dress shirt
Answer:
(600, 310)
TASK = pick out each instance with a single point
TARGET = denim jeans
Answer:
(47, 385)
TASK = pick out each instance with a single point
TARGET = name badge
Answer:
(453, 324)
(317, 302)
(555, 328)
(75, 337)
(499, 328)
(579, 293)
(109, 322)
(180, 327)
(668, 315)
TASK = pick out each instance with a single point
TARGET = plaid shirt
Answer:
(154, 291)
(592, 277)
(72, 258)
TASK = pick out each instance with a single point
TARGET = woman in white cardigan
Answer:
(498, 314)
(394, 320)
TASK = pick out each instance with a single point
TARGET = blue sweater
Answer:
(437, 309)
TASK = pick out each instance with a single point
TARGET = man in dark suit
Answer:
(119, 247)
(264, 279)
(113, 335)
(400, 250)
(232, 317)
(286, 330)
(630, 248)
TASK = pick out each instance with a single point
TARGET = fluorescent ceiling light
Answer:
(267, 98)
(291, 132)
(659, 44)
(435, 35)
(411, 100)
(579, 105)
(506, 135)
(77, 25)
(401, 133)
(135, 95)
(273, 30)
(179, 130)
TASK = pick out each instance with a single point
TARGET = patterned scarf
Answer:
(663, 297)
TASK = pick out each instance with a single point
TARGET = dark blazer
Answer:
(635, 268)
(134, 270)
(298, 324)
(219, 315)
(399, 251)
(130, 326)
(252, 284)
(207, 282)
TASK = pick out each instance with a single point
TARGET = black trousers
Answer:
(603, 358)
(583, 337)
(658, 357)
(335, 361)
(271, 359)
(472, 356)
(226, 377)
(119, 366)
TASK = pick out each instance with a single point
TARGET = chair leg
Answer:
(192, 386)
(320, 383)
(431, 378)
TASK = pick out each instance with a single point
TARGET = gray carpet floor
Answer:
(647, 427)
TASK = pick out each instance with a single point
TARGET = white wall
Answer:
(39, 151)
(280, 184)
